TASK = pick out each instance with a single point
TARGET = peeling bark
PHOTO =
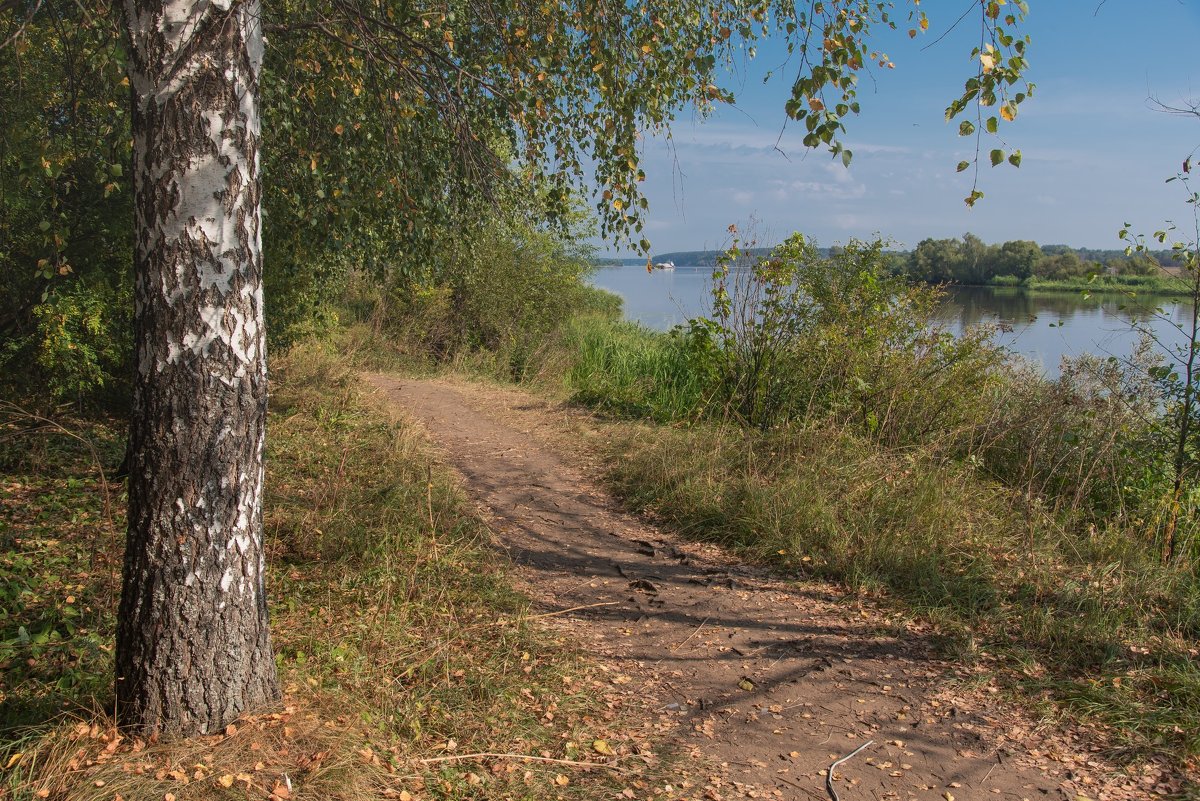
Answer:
(193, 649)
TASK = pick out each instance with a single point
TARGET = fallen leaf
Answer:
(561, 780)
(226, 780)
(602, 747)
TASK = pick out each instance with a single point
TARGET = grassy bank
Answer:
(1088, 621)
(1163, 285)
(1025, 517)
(398, 636)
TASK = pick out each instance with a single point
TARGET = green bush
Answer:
(798, 336)
(78, 347)
(497, 297)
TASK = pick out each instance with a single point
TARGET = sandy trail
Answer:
(773, 678)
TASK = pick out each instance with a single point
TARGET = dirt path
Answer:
(775, 679)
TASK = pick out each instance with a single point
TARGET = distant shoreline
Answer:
(1100, 285)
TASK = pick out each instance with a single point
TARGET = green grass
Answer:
(396, 629)
(1102, 284)
(630, 370)
(60, 547)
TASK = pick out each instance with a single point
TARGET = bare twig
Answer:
(555, 613)
(574, 763)
(829, 776)
(29, 15)
(690, 636)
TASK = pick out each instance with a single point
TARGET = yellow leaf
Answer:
(14, 759)
(988, 61)
(602, 747)
(1008, 112)
(561, 780)
(618, 204)
(226, 780)
(598, 67)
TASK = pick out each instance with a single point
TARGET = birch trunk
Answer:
(193, 650)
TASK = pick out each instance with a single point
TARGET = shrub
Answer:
(800, 336)
(78, 348)
(498, 297)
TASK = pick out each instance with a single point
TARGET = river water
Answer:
(1043, 327)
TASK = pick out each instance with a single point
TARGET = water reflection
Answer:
(1046, 327)
(1042, 327)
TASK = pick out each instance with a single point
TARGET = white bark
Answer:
(193, 647)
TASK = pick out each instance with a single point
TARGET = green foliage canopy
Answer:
(392, 125)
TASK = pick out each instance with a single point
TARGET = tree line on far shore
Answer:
(970, 260)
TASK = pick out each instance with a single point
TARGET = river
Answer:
(1043, 327)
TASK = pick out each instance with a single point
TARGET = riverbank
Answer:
(755, 669)
(833, 431)
(1132, 285)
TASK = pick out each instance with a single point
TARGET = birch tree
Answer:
(193, 649)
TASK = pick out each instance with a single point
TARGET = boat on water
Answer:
(665, 265)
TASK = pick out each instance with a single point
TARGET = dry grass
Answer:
(408, 665)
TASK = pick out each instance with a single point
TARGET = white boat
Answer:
(665, 265)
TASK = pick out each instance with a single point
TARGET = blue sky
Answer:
(1096, 154)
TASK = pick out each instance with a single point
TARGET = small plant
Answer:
(1178, 378)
